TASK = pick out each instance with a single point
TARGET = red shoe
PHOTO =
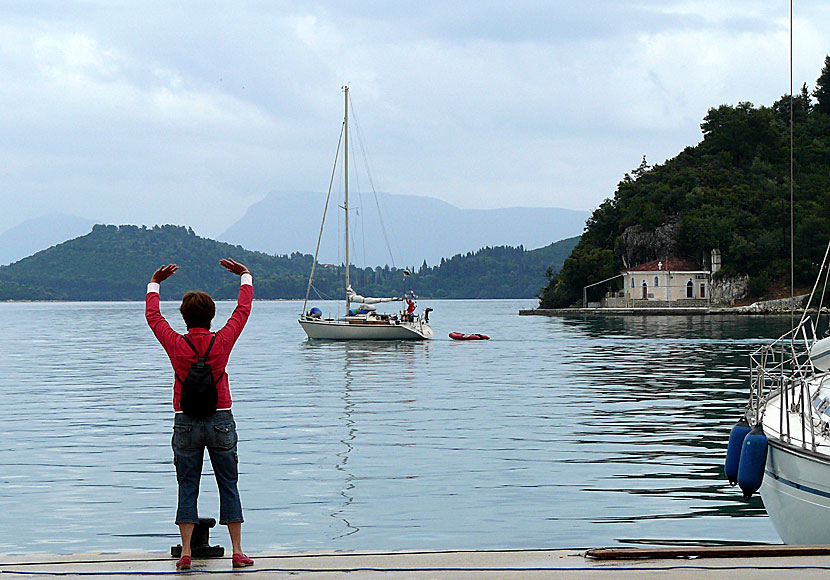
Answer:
(242, 561)
(183, 563)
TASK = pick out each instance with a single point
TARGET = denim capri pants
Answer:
(191, 437)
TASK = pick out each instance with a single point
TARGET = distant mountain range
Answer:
(418, 228)
(40, 233)
(116, 262)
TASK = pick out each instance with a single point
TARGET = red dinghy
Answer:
(474, 336)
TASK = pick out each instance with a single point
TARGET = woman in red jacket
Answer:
(216, 432)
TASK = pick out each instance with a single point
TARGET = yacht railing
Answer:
(784, 369)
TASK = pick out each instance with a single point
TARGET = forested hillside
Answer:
(731, 191)
(116, 262)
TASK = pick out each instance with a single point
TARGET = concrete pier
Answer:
(619, 311)
(725, 311)
(759, 563)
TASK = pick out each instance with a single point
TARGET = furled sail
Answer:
(357, 298)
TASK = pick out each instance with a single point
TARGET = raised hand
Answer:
(234, 267)
(164, 273)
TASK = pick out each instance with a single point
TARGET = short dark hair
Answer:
(197, 309)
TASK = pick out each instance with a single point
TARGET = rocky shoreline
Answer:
(778, 307)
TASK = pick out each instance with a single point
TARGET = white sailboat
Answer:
(781, 446)
(362, 322)
(787, 452)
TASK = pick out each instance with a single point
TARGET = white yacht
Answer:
(787, 452)
(361, 320)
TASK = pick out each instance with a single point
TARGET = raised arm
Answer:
(233, 328)
(160, 327)
(164, 273)
(234, 267)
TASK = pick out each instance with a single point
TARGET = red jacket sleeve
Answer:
(158, 324)
(233, 327)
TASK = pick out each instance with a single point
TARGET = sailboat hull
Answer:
(796, 485)
(796, 494)
(346, 330)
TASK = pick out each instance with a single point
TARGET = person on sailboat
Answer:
(216, 431)
(410, 306)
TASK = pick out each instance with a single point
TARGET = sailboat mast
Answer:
(346, 185)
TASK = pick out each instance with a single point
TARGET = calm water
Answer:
(555, 433)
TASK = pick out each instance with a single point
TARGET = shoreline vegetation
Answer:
(730, 192)
(124, 257)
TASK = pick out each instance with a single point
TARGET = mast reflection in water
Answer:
(554, 433)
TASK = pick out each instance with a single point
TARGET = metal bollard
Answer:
(200, 542)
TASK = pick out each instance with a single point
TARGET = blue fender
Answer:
(733, 451)
(753, 460)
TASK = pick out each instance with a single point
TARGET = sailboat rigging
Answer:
(362, 322)
(781, 445)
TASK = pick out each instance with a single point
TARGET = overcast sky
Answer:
(187, 112)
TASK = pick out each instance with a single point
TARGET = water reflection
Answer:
(669, 393)
(564, 432)
(361, 391)
(347, 441)
(702, 327)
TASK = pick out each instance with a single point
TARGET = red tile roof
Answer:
(670, 263)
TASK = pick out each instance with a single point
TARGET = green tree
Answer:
(805, 99)
(731, 191)
(822, 90)
(584, 266)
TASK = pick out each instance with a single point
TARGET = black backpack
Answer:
(199, 396)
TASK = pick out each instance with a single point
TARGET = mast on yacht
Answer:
(346, 185)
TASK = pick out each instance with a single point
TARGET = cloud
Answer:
(188, 112)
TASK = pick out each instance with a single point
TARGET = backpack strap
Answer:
(196, 352)
(202, 359)
(210, 346)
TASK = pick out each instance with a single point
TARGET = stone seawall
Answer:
(781, 307)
